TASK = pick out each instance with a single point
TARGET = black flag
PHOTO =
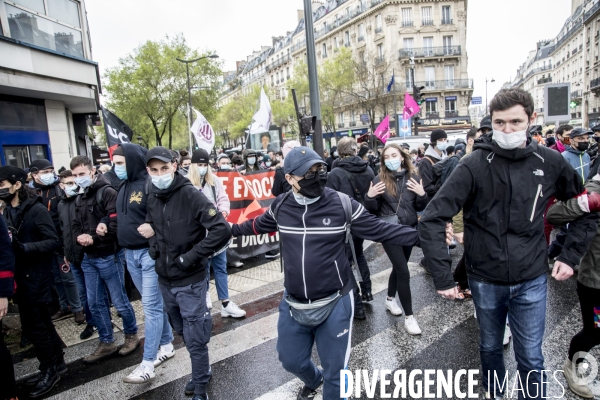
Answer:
(117, 131)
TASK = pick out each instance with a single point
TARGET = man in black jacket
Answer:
(133, 233)
(353, 176)
(47, 186)
(188, 229)
(95, 228)
(503, 188)
(8, 389)
(311, 222)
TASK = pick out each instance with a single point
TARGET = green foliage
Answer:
(148, 90)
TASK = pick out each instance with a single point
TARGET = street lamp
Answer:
(486, 97)
(187, 70)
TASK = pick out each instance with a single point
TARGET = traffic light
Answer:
(308, 124)
(417, 95)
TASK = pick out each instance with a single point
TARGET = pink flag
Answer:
(383, 130)
(410, 107)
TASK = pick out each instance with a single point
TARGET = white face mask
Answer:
(509, 141)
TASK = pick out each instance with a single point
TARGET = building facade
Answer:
(385, 36)
(49, 84)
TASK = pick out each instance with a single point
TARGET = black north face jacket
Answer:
(503, 194)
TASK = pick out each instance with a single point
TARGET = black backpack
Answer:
(437, 170)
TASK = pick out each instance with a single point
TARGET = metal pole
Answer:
(189, 114)
(416, 129)
(395, 109)
(486, 103)
(313, 80)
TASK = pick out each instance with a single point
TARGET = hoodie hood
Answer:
(485, 142)
(249, 153)
(430, 152)
(135, 159)
(353, 164)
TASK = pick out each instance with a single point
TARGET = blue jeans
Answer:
(219, 266)
(100, 271)
(525, 304)
(65, 285)
(145, 279)
(80, 281)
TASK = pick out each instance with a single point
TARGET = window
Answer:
(408, 46)
(451, 105)
(446, 16)
(409, 78)
(378, 24)
(426, 16)
(407, 17)
(287, 73)
(341, 117)
(347, 38)
(430, 77)
(352, 116)
(22, 156)
(447, 44)
(449, 75)
(428, 46)
(64, 37)
(336, 43)
(324, 53)
(431, 106)
(361, 32)
(379, 53)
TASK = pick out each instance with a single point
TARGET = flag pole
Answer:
(395, 110)
(190, 127)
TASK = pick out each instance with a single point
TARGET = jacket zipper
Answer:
(581, 163)
(168, 226)
(537, 196)
(338, 271)
(303, 250)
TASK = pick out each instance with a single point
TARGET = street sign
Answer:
(476, 100)
(557, 98)
(364, 118)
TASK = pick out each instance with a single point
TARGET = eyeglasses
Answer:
(311, 174)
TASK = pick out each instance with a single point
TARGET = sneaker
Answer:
(79, 317)
(392, 306)
(141, 374)
(576, 385)
(272, 254)
(237, 264)
(307, 393)
(87, 332)
(62, 314)
(102, 351)
(200, 397)
(232, 310)
(190, 388)
(359, 312)
(367, 295)
(131, 343)
(208, 302)
(411, 325)
(163, 355)
(507, 335)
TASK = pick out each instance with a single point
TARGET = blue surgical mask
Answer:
(47, 179)
(225, 167)
(393, 164)
(441, 146)
(268, 164)
(162, 181)
(202, 170)
(121, 172)
(84, 182)
(72, 190)
(251, 160)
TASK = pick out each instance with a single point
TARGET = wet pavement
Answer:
(243, 352)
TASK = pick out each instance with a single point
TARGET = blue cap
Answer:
(580, 132)
(299, 160)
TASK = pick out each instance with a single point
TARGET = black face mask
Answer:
(312, 188)
(583, 146)
(597, 139)
(6, 196)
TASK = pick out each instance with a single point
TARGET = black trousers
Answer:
(363, 266)
(8, 388)
(460, 273)
(589, 336)
(399, 280)
(39, 329)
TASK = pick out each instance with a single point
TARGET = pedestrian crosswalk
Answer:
(244, 359)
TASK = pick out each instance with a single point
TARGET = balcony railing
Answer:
(595, 84)
(347, 44)
(408, 23)
(432, 115)
(576, 94)
(446, 84)
(378, 60)
(379, 29)
(446, 21)
(278, 62)
(361, 38)
(440, 51)
(544, 80)
(352, 123)
(375, 2)
(450, 114)
(324, 55)
(427, 22)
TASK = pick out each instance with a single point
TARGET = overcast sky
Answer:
(500, 33)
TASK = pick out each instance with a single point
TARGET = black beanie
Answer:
(438, 134)
(119, 151)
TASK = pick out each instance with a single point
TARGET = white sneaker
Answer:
(392, 306)
(163, 355)
(507, 335)
(237, 264)
(232, 310)
(411, 325)
(141, 374)
(208, 302)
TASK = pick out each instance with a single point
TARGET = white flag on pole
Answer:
(261, 121)
(203, 132)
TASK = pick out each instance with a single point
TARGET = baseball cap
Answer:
(579, 132)
(13, 174)
(159, 153)
(535, 129)
(300, 159)
(200, 156)
(40, 164)
(486, 122)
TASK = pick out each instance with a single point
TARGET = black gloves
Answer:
(183, 262)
